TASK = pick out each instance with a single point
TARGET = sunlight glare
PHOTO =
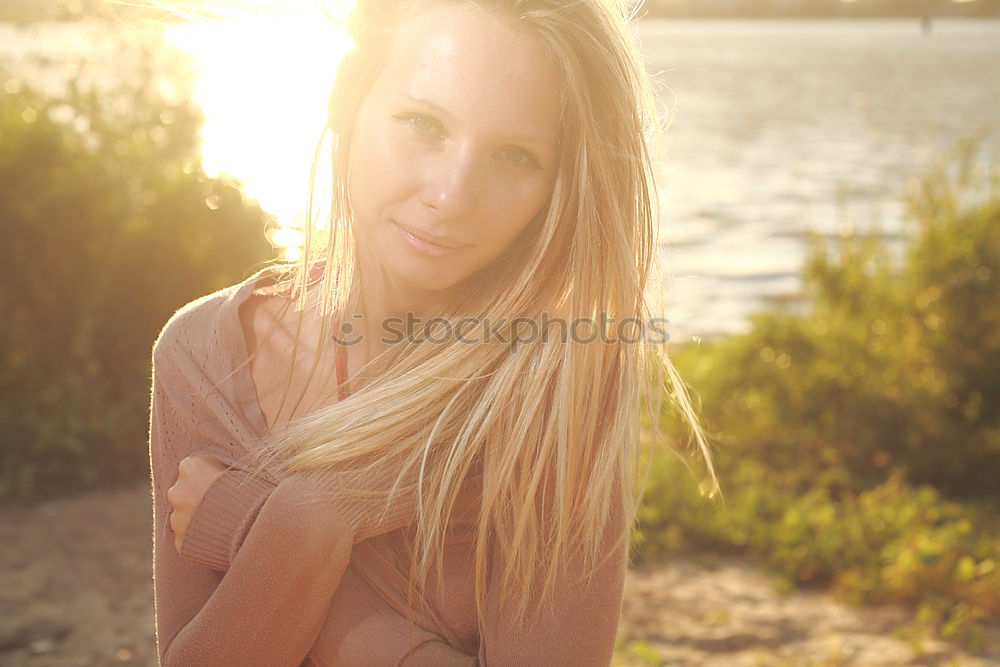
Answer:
(263, 85)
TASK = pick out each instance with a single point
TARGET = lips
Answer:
(447, 244)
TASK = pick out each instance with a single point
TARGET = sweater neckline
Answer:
(232, 330)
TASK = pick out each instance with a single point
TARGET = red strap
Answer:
(315, 275)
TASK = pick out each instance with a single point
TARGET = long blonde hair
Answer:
(554, 427)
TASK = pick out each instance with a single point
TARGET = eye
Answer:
(520, 158)
(419, 123)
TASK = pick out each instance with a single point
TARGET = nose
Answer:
(451, 182)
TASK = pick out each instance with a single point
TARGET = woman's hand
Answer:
(194, 475)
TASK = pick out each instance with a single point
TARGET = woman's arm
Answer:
(580, 631)
(284, 549)
(271, 605)
(222, 518)
(359, 623)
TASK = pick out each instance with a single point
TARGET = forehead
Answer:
(480, 69)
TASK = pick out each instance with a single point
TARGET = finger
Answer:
(177, 496)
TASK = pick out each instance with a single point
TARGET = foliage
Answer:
(27, 11)
(635, 653)
(892, 364)
(858, 437)
(109, 225)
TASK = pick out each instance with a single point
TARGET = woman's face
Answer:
(454, 148)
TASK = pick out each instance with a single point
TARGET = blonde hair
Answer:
(553, 426)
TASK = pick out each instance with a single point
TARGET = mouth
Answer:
(429, 243)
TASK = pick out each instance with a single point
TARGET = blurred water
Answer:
(777, 126)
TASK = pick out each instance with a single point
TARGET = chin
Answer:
(430, 278)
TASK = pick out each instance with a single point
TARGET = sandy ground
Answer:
(729, 614)
(76, 589)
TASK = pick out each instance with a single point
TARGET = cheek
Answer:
(513, 214)
(370, 171)
(382, 176)
(362, 184)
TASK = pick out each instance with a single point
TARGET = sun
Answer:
(262, 80)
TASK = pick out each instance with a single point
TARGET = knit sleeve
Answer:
(359, 623)
(226, 512)
(270, 605)
(223, 518)
(580, 629)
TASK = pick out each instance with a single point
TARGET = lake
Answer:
(781, 126)
(777, 126)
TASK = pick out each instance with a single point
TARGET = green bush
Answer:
(109, 225)
(857, 435)
(892, 543)
(891, 364)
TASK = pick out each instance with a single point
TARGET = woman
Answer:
(454, 480)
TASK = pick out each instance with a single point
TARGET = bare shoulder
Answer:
(264, 320)
(257, 315)
(270, 323)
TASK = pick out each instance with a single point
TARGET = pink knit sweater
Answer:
(265, 580)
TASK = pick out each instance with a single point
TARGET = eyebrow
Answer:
(526, 138)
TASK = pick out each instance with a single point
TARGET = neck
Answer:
(383, 297)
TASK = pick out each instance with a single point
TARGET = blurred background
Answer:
(831, 239)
